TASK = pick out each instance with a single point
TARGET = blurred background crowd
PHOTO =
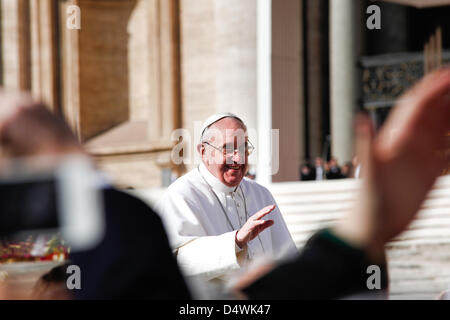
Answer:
(329, 170)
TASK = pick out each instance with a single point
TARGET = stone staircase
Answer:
(419, 258)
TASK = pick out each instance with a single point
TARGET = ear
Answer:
(200, 148)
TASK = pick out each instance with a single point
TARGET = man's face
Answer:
(229, 167)
(333, 163)
(319, 162)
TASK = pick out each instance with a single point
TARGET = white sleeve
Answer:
(210, 256)
(198, 254)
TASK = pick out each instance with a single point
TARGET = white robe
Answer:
(202, 236)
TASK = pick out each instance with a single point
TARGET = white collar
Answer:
(215, 183)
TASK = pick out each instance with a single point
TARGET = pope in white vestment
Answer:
(203, 215)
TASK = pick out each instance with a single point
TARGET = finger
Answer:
(264, 226)
(263, 212)
(269, 223)
(261, 222)
(432, 87)
(422, 115)
(258, 226)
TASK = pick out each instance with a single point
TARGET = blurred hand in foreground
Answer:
(29, 129)
(400, 164)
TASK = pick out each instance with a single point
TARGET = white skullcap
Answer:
(216, 117)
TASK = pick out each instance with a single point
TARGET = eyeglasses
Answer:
(229, 150)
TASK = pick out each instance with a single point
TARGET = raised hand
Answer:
(28, 128)
(400, 164)
(254, 226)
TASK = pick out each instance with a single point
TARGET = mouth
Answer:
(233, 167)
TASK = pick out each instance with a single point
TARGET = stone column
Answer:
(316, 17)
(264, 89)
(15, 46)
(44, 60)
(343, 74)
(235, 47)
(218, 64)
(70, 72)
(287, 89)
(280, 90)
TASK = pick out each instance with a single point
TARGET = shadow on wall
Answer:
(104, 80)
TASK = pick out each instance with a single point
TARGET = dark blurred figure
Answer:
(306, 172)
(134, 259)
(319, 169)
(333, 172)
(347, 170)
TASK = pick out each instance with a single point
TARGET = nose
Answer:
(238, 157)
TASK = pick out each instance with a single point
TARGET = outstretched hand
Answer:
(254, 226)
(400, 164)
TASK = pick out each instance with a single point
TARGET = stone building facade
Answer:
(137, 70)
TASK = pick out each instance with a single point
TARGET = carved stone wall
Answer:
(386, 77)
